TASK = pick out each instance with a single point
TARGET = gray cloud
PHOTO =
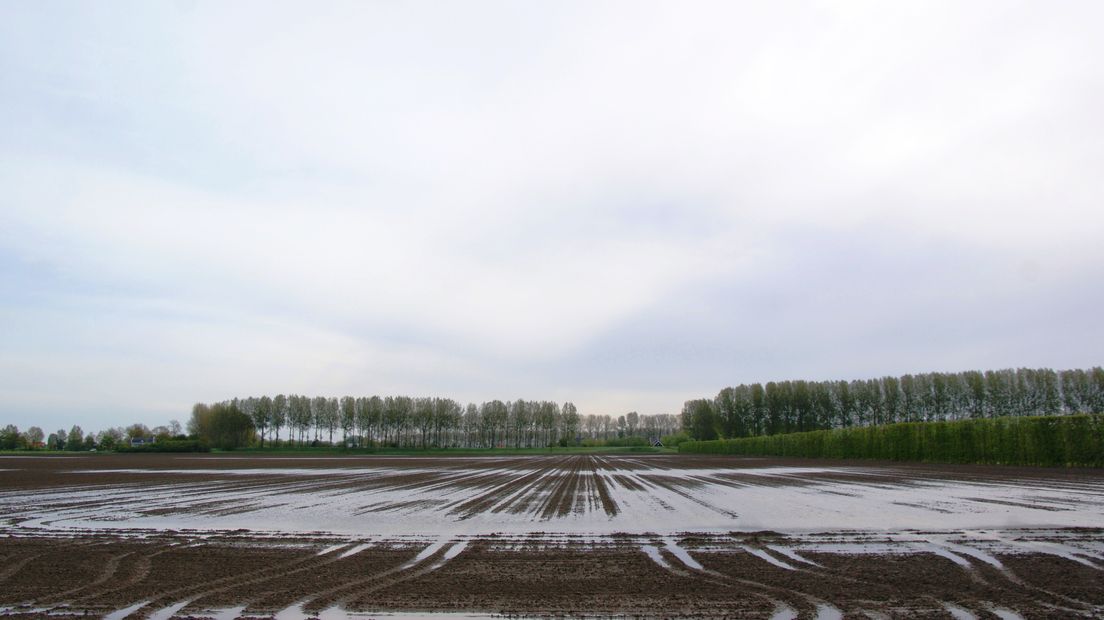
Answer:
(623, 204)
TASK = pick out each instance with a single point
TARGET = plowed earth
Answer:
(160, 536)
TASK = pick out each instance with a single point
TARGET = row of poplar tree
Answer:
(431, 422)
(796, 406)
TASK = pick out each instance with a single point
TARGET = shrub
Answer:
(676, 440)
(632, 442)
(172, 445)
(1074, 440)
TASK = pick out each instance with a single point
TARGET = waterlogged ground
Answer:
(162, 536)
(582, 494)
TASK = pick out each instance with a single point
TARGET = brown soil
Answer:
(92, 573)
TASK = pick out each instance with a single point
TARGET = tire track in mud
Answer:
(983, 567)
(107, 572)
(141, 569)
(194, 593)
(670, 560)
(982, 563)
(782, 597)
(12, 569)
(769, 584)
(828, 574)
(670, 555)
(997, 579)
(428, 560)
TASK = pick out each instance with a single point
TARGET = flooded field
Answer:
(163, 536)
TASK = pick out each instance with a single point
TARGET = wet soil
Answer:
(97, 571)
(95, 575)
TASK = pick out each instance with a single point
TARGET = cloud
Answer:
(499, 200)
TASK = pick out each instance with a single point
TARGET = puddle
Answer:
(944, 553)
(790, 553)
(355, 550)
(424, 553)
(783, 611)
(295, 612)
(657, 557)
(682, 554)
(331, 549)
(168, 612)
(126, 611)
(226, 613)
(828, 612)
(650, 500)
(452, 552)
(1005, 614)
(959, 613)
(766, 557)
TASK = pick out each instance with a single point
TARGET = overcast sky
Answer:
(622, 204)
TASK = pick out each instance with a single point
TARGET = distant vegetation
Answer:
(796, 406)
(406, 422)
(1072, 440)
(392, 423)
(745, 411)
(76, 440)
(1025, 416)
(168, 445)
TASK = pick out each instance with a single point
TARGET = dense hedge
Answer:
(1074, 440)
(172, 445)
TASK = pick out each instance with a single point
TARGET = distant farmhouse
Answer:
(138, 442)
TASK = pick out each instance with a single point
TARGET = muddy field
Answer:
(163, 536)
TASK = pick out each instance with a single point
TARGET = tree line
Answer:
(368, 421)
(418, 422)
(76, 440)
(750, 410)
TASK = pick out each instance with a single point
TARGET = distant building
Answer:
(138, 442)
